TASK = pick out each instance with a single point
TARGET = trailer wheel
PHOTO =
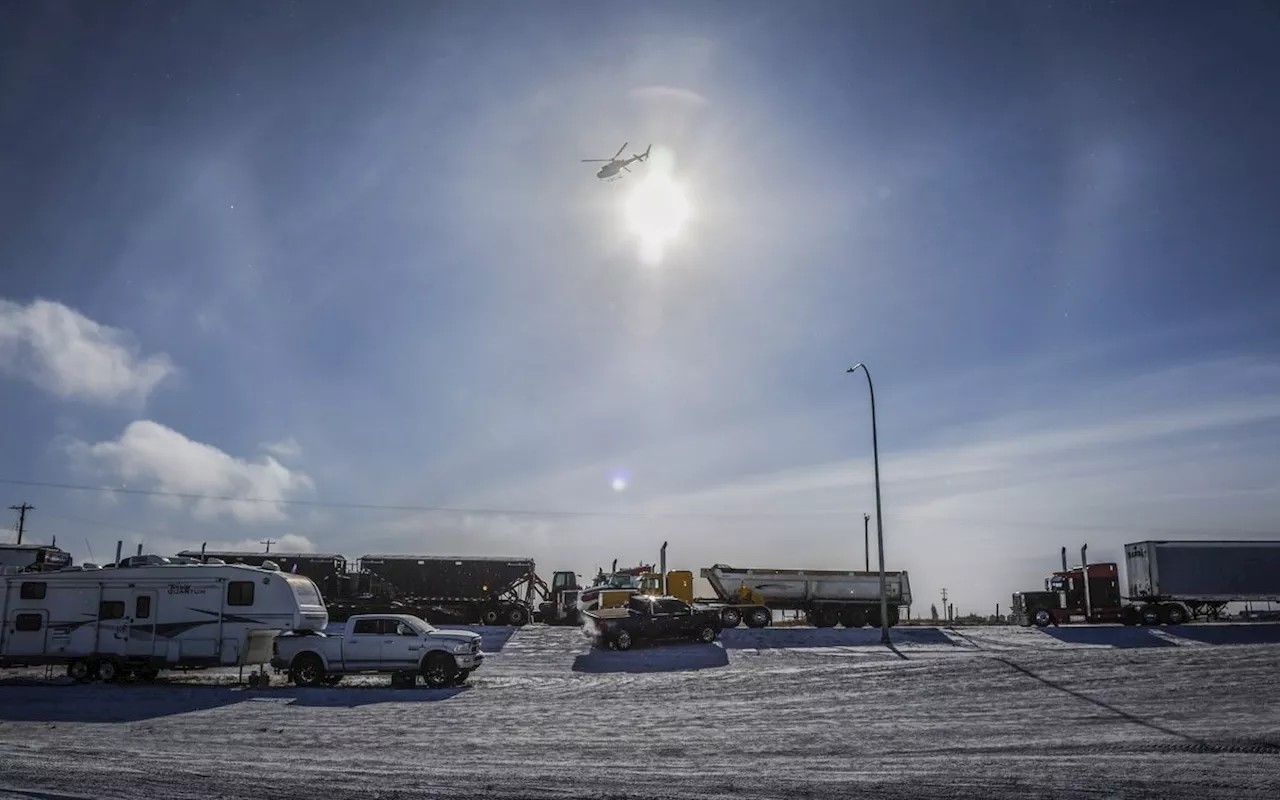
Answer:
(623, 641)
(1174, 614)
(873, 617)
(307, 670)
(108, 671)
(1150, 615)
(1041, 618)
(490, 616)
(80, 670)
(439, 670)
(1129, 615)
(825, 617)
(517, 616)
(730, 617)
(759, 617)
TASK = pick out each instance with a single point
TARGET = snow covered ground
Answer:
(1191, 712)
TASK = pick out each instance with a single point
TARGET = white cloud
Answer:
(73, 357)
(150, 456)
(287, 448)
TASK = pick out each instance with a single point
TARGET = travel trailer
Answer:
(149, 613)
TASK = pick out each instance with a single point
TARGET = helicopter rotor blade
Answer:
(590, 160)
(620, 149)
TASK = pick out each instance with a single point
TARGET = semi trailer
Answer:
(459, 589)
(827, 597)
(1169, 582)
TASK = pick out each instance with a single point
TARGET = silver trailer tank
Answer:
(1201, 571)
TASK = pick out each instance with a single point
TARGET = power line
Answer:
(525, 512)
(511, 512)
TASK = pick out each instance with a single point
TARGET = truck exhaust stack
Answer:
(662, 561)
(1084, 576)
(1064, 559)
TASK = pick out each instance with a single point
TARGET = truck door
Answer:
(141, 641)
(672, 619)
(401, 644)
(362, 645)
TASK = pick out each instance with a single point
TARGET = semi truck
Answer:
(1169, 582)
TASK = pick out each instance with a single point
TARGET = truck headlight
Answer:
(462, 648)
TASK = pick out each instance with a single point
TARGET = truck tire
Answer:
(1173, 614)
(893, 616)
(759, 617)
(461, 677)
(1150, 615)
(1129, 615)
(1041, 617)
(517, 616)
(439, 670)
(873, 616)
(622, 641)
(307, 670)
(490, 616)
(730, 617)
(706, 634)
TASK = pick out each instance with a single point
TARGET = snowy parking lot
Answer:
(984, 712)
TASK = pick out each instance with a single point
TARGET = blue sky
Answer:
(296, 251)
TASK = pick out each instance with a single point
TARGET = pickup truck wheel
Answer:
(461, 677)
(623, 641)
(307, 670)
(706, 634)
(439, 670)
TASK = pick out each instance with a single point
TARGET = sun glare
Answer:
(655, 211)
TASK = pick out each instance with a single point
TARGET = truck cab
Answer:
(561, 605)
(1065, 599)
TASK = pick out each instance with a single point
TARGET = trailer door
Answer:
(141, 629)
(27, 629)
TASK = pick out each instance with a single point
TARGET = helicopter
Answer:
(615, 164)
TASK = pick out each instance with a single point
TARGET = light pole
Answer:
(875, 461)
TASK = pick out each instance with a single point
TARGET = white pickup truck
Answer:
(399, 644)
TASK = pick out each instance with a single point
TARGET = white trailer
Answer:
(138, 618)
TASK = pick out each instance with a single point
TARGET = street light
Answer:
(875, 460)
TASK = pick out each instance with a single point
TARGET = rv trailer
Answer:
(148, 613)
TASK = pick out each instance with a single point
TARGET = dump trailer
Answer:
(322, 568)
(1167, 582)
(827, 597)
(458, 589)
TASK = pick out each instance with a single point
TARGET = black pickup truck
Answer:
(646, 618)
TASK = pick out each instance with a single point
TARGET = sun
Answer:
(655, 211)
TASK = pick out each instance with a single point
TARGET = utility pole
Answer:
(267, 542)
(22, 517)
(866, 538)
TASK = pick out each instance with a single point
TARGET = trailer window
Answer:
(28, 622)
(111, 609)
(142, 607)
(33, 590)
(305, 590)
(240, 593)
